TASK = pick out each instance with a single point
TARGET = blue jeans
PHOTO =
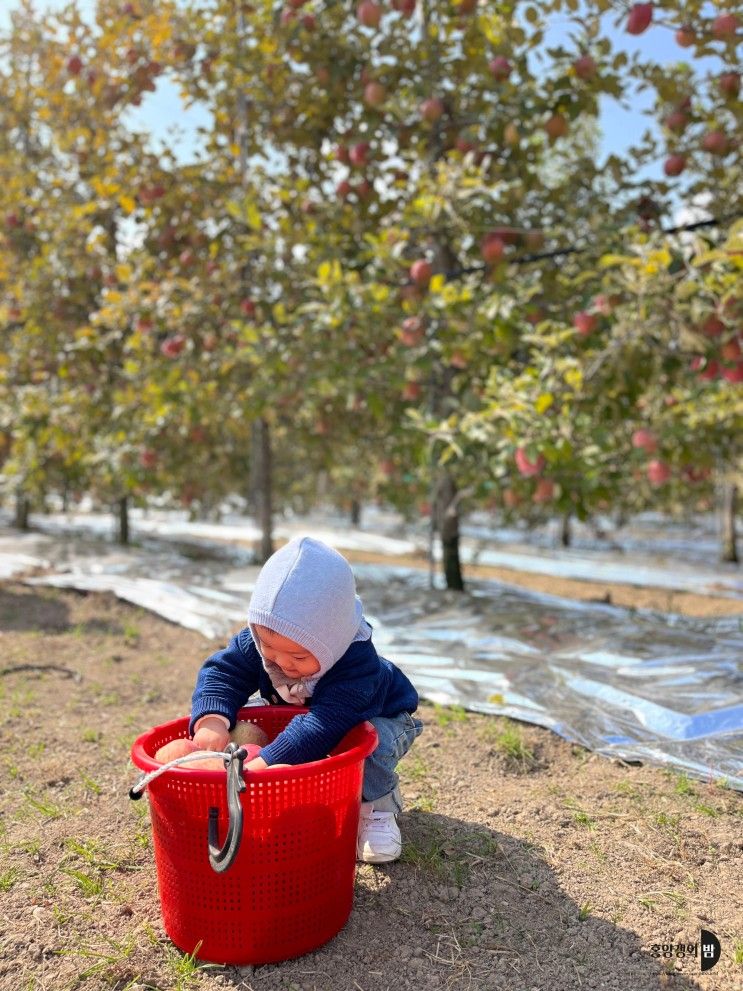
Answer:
(396, 736)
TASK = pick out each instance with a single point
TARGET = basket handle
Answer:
(222, 858)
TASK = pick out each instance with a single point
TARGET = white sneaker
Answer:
(378, 840)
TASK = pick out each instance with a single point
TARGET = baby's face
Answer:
(293, 659)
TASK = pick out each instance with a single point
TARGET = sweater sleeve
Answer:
(312, 735)
(226, 680)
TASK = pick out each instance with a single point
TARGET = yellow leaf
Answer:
(657, 260)
(267, 46)
(437, 283)
(123, 273)
(127, 203)
(544, 402)
(496, 698)
(279, 312)
(253, 216)
(379, 292)
(103, 189)
(574, 378)
(607, 261)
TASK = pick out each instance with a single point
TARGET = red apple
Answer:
(731, 350)
(556, 127)
(343, 189)
(735, 374)
(341, 154)
(74, 65)
(711, 372)
(432, 109)
(171, 347)
(369, 13)
(644, 440)
(186, 258)
(602, 304)
(143, 325)
(297, 3)
(374, 94)
(715, 142)
(358, 154)
(686, 36)
(412, 391)
(510, 499)
(492, 248)
(725, 26)
(585, 323)
(676, 121)
(404, 7)
(712, 326)
(544, 490)
(412, 332)
(308, 22)
(149, 194)
(674, 165)
(585, 67)
(729, 83)
(421, 272)
(248, 307)
(640, 16)
(463, 144)
(658, 472)
(147, 458)
(500, 67)
(526, 467)
(458, 360)
(364, 189)
(508, 235)
(12, 220)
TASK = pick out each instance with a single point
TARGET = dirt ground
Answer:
(528, 863)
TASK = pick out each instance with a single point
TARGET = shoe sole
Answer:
(378, 858)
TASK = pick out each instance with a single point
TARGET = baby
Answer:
(307, 643)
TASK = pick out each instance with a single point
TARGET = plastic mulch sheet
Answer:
(641, 686)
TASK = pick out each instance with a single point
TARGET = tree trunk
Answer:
(448, 525)
(447, 504)
(355, 512)
(123, 512)
(565, 535)
(262, 487)
(22, 510)
(729, 549)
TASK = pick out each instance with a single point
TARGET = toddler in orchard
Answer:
(307, 643)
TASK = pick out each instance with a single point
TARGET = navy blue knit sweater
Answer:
(361, 684)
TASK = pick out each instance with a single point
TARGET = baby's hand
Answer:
(212, 734)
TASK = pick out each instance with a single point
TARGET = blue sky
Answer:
(162, 111)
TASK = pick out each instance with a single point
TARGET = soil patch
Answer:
(528, 863)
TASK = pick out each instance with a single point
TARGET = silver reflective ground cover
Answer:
(636, 685)
(665, 690)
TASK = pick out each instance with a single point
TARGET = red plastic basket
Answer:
(290, 888)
